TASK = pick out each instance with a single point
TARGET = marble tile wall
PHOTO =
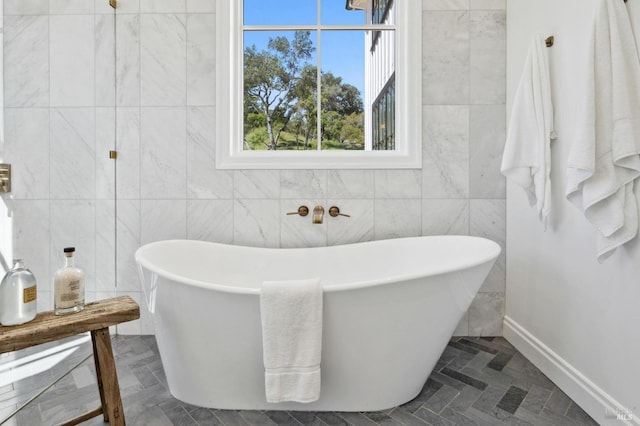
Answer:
(57, 133)
(60, 125)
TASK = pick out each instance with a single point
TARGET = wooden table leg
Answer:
(107, 377)
(103, 403)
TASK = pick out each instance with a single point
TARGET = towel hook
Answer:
(549, 40)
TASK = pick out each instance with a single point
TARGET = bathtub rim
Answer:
(492, 252)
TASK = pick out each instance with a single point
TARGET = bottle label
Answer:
(29, 294)
(73, 287)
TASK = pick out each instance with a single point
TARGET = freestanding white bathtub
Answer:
(390, 308)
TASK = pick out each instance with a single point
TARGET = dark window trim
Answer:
(387, 142)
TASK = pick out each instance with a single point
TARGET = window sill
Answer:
(319, 160)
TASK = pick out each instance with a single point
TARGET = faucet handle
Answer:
(302, 211)
(334, 211)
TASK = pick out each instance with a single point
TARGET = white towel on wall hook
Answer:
(604, 161)
(526, 160)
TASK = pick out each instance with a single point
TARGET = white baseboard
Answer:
(595, 401)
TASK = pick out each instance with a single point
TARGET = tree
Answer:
(352, 130)
(340, 97)
(305, 94)
(332, 123)
(339, 101)
(270, 77)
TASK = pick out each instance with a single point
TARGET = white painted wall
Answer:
(564, 310)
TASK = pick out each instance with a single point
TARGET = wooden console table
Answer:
(96, 317)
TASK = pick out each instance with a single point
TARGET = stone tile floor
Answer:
(477, 381)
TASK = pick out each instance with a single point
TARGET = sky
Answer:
(342, 51)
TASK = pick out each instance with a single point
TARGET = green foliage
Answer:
(254, 120)
(341, 97)
(353, 128)
(258, 138)
(331, 125)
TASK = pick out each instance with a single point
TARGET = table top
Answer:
(47, 327)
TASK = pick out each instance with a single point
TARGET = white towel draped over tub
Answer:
(526, 160)
(604, 161)
(291, 314)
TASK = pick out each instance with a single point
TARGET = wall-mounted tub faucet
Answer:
(318, 214)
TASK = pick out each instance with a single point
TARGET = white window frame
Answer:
(229, 92)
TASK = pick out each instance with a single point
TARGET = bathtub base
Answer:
(375, 357)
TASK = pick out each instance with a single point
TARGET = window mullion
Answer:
(318, 77)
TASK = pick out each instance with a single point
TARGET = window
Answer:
(383, 114)
(380, 14)
(318, 84)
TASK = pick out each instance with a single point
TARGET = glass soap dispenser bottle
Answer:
(18, 293)
(68, 284)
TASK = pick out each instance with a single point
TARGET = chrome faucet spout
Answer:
(318, 214)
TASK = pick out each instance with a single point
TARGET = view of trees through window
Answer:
(311, 76)
(281, 97)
